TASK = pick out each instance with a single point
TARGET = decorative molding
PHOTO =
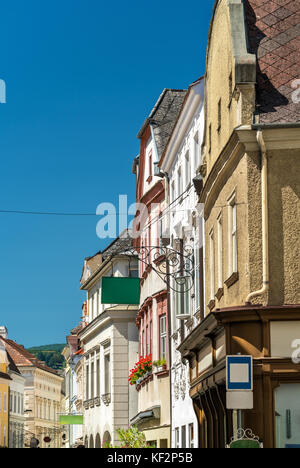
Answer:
(220, 293)
(106, 398)
(232, 280)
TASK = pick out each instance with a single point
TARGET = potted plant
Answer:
(160, 364)
(142, 369)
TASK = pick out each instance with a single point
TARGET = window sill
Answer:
(232, 280)
(162, 373)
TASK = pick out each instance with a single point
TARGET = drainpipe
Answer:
(265, 223)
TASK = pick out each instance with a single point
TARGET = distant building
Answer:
(42, 395)
(16, 406)
(109, 341)
(5, 381)
(72, 355)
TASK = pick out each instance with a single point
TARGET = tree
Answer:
(130, 438)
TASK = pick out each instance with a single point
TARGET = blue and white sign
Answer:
(239, 373)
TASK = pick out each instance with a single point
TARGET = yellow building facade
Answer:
(4, 398)
(251, 199)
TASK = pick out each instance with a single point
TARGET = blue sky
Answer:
(81, 77)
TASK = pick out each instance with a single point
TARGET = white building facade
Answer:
(181, 160)
(109, 341)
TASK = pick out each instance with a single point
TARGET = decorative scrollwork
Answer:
(245, 434)
(175, 268)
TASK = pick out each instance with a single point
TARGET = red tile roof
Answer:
(23, 358)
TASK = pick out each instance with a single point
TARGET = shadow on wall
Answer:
(268, 97)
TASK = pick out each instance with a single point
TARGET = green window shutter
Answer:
(120, 291)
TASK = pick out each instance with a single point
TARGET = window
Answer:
(209, 139)
(107, 373)
(212, 265)
(191, 436)
(219, 115)
(230, 88)
(232, 264)
(151, 336)
(183, 437)
(163, 336)
(147, 341)
(220, 253)
(92, 379)
(133, 268)
(197, 279)
(5, 402)
(87, 390)
(196, 152)
(150, 167)
(143, 343)
(173, 195)
(98, 377)
(177, 441)
(179, 183)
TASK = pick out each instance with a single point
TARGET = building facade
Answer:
(109, 342)
(250, 193)
(5, 380)
(73, 434)
(16, 406)
(42, 396)
(153, 320)
(181, 160)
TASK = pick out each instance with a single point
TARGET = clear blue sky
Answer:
(81, 77)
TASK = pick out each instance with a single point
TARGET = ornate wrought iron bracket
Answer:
(174, 268)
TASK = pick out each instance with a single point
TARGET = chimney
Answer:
(4, 332)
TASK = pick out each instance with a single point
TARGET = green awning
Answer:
(120, 291)
(70, 419)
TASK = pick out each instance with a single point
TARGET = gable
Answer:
(230, 77)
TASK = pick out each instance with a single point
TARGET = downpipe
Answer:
(265, 221)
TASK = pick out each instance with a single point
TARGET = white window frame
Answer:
(196, 151)
(232, 236)
(212, 264)
(191, 435)
(163, 337)
(220, 250)
(107, 378)
(187, 164)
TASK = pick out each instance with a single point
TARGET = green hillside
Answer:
(50, 354)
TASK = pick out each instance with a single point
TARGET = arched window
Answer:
(98, 441)
(106, 438)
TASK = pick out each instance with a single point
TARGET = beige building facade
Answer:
(251, 198)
